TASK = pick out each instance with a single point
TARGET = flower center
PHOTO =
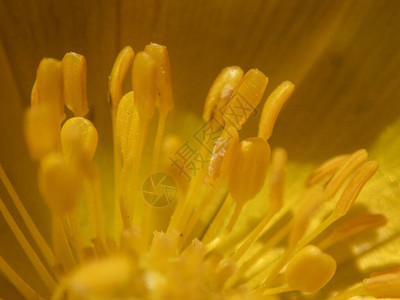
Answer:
(192, 247)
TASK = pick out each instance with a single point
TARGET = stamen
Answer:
(159, 53)
(42, 131)
(222, 156)
(197, 214)
(353, 189)
(127, 129)
(129, 141)
(277, 179)
(144, 71)
(59, 184)
(380, 285)
(18, 282)
(164, 101)
(247, 177)
(352, 227)
(37, 236)
(76, 233)
(314, 198)
(319, 266)
(34, 95)
(79, 141)
(50, 86)
(224, 271)
(120, 68)
(221, 160)
(279, 158)
(29, 251)
(220, 92)
(156, 268)
(94, 204)
(327, 169)
(345, 202)
(272, 107)
(104, 278)
(353, 162)
(278, 290)
(61, 247)
(245, 99)
(383, 285)
(74, 74)
(190, 201)
(115, 83)
(218, 220)
(273, 241)
(357, 290)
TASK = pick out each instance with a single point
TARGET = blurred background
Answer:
(342, 55)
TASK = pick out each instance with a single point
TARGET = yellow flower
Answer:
(342, 56)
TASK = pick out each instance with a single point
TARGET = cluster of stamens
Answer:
(194, 254)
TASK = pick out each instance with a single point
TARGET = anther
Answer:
(310, 270)
(327, 169)
(353, 162)
(120, 68)
(164, 99)
(127, 128)
(159, 53)
(380, 285)
(129, 139)
(354, 187)
(383, 285)
(248, 176)
(222, 157)
(79, 140)
(345, 202)
(245, 99)
(144, 71)
(352, 227)
(74, 74)
(49, 83)
(272, 107)
(220, 93)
